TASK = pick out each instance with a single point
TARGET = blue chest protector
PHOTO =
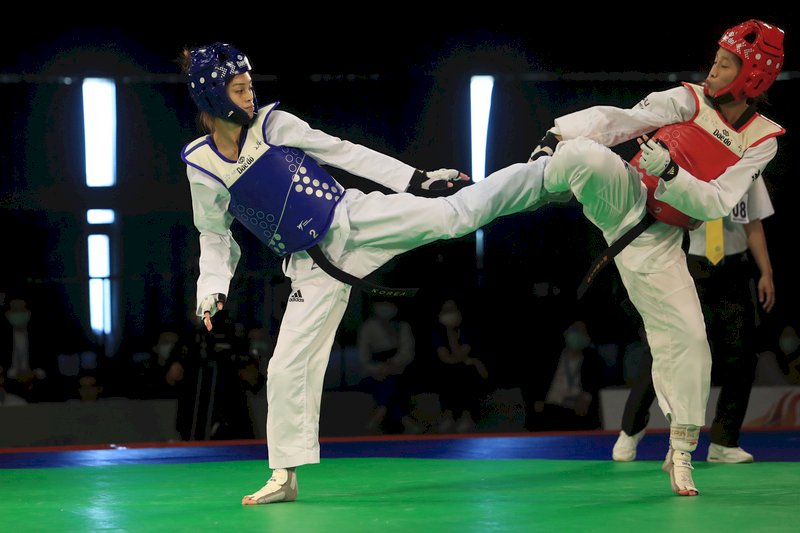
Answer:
(279, 193)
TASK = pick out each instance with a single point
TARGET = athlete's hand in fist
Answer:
(655, 159)
(209, 307)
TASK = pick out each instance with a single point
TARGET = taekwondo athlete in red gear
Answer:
(709, 146)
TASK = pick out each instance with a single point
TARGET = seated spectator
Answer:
(386, 347)
(260, 347)
(155, 373)
(462, 376)
(789, 353)
(572, 401)
(7, 398)
(774, 365)
(21, 354)
(635, 352)
(769, 372)
(89, 389)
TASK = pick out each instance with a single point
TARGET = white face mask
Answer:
(164, 350)
(789, 343)
(576, 341)
(385, 311)
(258, 347)
(18, 319)
(450, 319)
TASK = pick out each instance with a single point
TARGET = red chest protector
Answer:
(705, 146)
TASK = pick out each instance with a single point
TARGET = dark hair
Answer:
(204, 120)
(185, 60)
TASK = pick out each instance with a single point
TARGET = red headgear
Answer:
(760, 47)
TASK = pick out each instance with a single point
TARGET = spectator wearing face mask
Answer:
(386, 348)
(158, 371)
(775, 361)
(20, 354)
(789, 353)
(463, 376)
(571, 402)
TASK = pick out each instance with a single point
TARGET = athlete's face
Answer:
(724, 70)
(240, 91)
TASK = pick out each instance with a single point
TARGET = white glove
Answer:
(435, 179)
(209, 307)
(547, 146)
(211, 304)
(655, 158)
(447, 174)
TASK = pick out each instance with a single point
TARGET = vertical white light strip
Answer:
(99, 284)
(107, 306)
(100, 131)
(100, 305)
(99, 258)
(100, 216)
(480, 89)
(100, 140)
(480, 106)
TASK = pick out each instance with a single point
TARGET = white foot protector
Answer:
(281, 487)
(678, 465)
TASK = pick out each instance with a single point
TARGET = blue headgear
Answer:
(210, 70)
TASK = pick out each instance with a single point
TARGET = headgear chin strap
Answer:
(211, 68)
(760, 48)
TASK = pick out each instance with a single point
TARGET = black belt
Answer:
(605, 258)
(335, 272)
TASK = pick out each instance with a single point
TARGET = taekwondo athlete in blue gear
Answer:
(236, 172)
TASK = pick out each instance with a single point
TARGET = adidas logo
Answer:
(296, 296)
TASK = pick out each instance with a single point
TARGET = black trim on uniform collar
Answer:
(747, 115)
